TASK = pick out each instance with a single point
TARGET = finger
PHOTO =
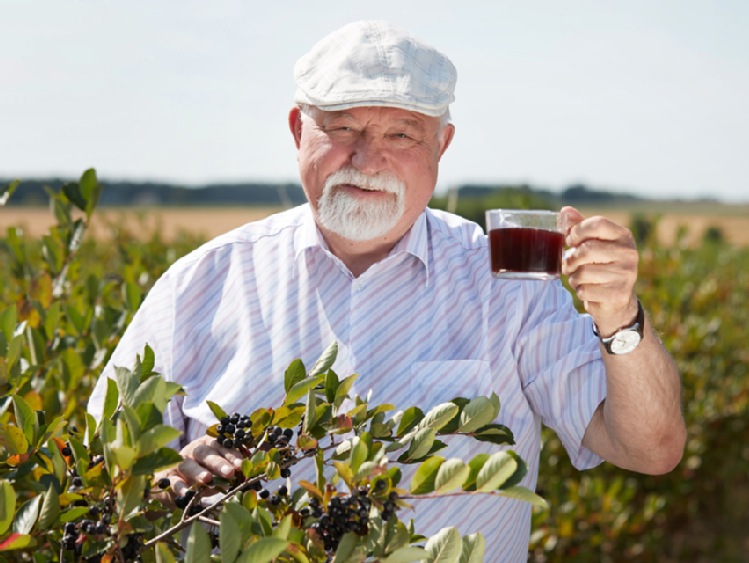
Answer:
(212, 458)
(178, 485)
(568, 218)
(599, 228)
(618, 256)
(193, 472)
(231, 455)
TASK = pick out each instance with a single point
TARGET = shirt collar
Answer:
(414, 242)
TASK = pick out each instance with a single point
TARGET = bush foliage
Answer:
(74, 489)
(66, 300)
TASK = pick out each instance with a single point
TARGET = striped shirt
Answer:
(426, 324)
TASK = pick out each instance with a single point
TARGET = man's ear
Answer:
(295, 125)
(446, 137)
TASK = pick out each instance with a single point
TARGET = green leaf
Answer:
(295, 373)
(124, 456)
(343, 388)
(420, 445)
(231, 534)
(359, 453)
(496, 471)
(496, 434)
(217, 411)
(8, 320)
(479, 412)
(198, 545)
(475, 466)
(7, 506)
(411, 417)
(90, 190)
(148, 362)
(52, 320)
(326, 361)
(164, 554)
(156, 438)
(26, 516)
(438, 416)
(25, 419)
(299, 389)
(111, 399)
(310, 412)
(423, 480)
(13, 438)
(127, 384)
(331, 385)
(263, 551)
(160, 459)
(451, 475)
(520, 472)
(50, 508)
(472, 548)
(405, 554)
(444, 547)
(73, 192)
(349, 550)
(283, 528)
(526, 495)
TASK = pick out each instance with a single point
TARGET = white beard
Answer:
(354, 219)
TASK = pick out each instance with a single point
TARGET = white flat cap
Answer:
(374, 63)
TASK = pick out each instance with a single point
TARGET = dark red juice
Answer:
(526, 250)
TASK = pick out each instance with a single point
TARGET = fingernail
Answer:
(226, 470)
(204, 476)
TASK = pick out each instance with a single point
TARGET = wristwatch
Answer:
(625, 339)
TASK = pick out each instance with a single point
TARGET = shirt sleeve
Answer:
(559, 360)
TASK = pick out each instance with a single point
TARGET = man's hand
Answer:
(204, 458)
(601, 265)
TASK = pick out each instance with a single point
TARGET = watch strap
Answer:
(637, 327)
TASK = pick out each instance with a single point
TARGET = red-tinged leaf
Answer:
(17, 541)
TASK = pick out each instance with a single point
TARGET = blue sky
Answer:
(650, 97)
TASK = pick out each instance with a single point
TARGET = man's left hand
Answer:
(601, 265)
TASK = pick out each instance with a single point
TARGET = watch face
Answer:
(625, 341)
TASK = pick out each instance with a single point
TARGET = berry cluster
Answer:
(388, 505)
(342, 514)
(75, 533)
(97, 525)
(348, 513)
(276, 498)
(234, 431)
(278, 437)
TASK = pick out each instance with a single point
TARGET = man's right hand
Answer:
(203, 458)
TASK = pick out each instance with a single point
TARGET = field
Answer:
(73, 298)
(733, 220)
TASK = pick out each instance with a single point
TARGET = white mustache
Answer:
(383, 182)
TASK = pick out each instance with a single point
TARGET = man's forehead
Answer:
(379, 113)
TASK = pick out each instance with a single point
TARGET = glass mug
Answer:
(525, 243)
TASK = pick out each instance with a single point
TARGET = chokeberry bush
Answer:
(77, 489)
(66, 298)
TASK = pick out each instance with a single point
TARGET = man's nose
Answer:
(368, 156)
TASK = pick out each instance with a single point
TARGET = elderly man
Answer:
(406, 291)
